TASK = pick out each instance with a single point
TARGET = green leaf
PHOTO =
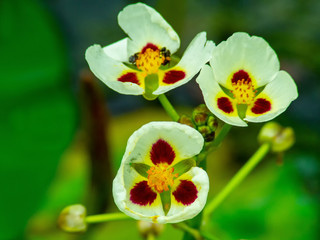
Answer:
(37, 110)
(166, 201)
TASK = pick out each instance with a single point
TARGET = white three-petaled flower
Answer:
(244, 82)
(157, 180)
(125, 65)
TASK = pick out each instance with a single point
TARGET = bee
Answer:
(133, 58)
(166, 53)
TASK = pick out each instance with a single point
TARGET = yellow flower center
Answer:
(160, 177)
(150, 61)
(243, 92)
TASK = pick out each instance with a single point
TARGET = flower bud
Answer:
(184, 119)
(72, 218)
(200, 115)
(206, 132)
(147, 228)
(212, 123)
(280, 138)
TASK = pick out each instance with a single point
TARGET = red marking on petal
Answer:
(129, 77)
(173, 76)
(261, 106)
(149, 45)
(225, 105)
(186, 193)
(162, 152)
(241, 74)
(142, 194)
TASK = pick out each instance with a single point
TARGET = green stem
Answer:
(106, 217)
(193, 232)
(222, 134)
(168, 107)
(235, 181)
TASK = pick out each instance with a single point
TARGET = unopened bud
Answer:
(212, 123)
(184, 119)
(200, 115)
(149, 228)
(207, 133)
(280, 138)
(72, 218)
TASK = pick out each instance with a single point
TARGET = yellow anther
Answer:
(150, 60)
(243, 91)
(161, 176)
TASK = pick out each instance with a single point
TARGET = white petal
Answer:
(179, 212)
(118, 50)
(211, 91)
(198, 53)
(186, 141)
(109, 70)
(281, 91)
(145, 25)
(242, 52)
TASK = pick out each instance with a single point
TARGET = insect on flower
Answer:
(138, 64)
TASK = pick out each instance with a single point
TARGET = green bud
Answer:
(281, 138)
(184, 119)
(212, 123)
(149, 228)
(72, 218)
(207, 133)
(200, 115)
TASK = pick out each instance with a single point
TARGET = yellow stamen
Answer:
(150, 61)
(243, 92)
(161, 176)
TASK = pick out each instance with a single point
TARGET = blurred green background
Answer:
(63, 133)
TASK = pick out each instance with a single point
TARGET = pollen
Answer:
(161, 176)
(150, 60)
(243, 91)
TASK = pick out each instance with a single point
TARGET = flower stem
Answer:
(222, 134)
(106, 217)
(168, 107)
(235, 181)
(193, 232)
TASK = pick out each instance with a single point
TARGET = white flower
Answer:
(126, 66)
(244, 82)
(157, 180)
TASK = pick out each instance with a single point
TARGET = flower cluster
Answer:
(158, 180)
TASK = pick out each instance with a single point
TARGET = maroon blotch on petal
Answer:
(225, 105)
(173, 76)
(129, 77)
(241, 74)
(142, 194)
(151, 46)
(162, 152)
(186, 193)
(260, 106)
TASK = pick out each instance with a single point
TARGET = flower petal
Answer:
(133, 196)
(118, 50)
(113, 73)
(242, 52)
(162, 152)
(279, 93)
(145, 25)
(219, 103)
(196, 55)
(189, 196)
(127, 184)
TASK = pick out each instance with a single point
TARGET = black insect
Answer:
(166, 53)
(133, 58)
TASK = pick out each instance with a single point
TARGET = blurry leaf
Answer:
(37, 112)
